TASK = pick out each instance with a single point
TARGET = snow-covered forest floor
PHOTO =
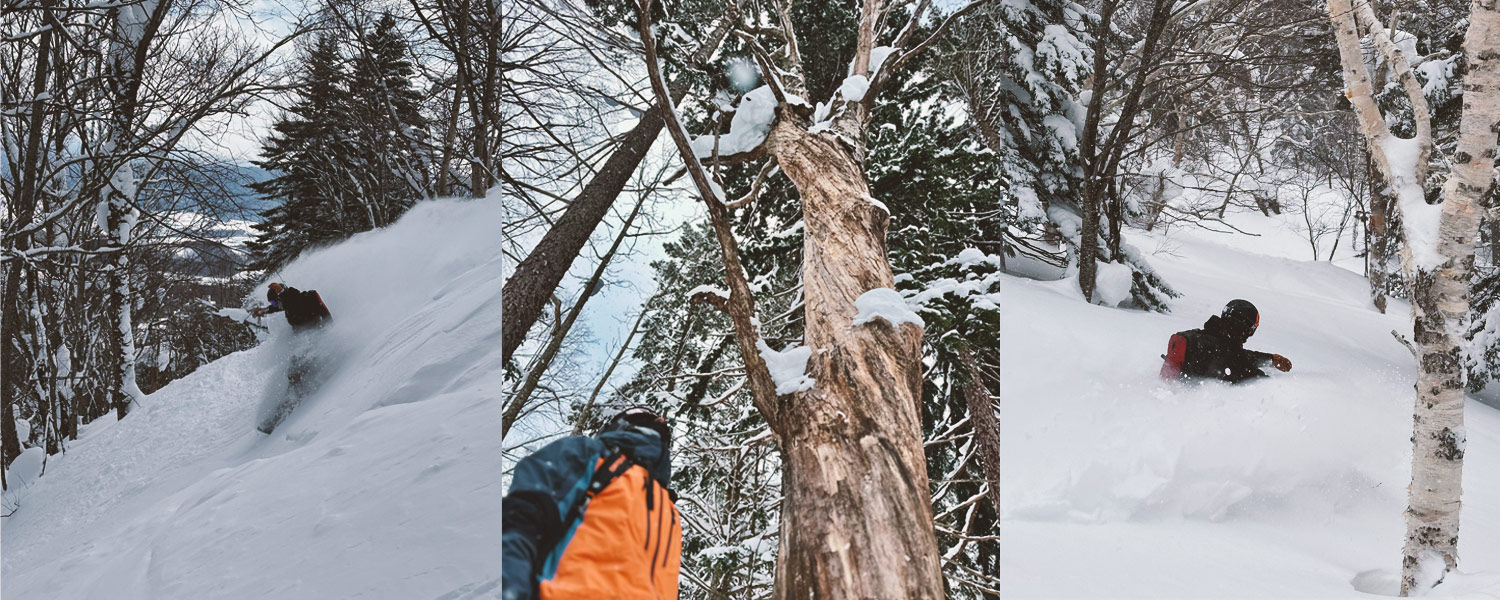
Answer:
(1117, 484)
(383, 484)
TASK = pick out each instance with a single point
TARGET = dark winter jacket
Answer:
(302, 309)
(544, 489)
(1218, 350)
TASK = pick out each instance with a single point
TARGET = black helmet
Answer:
(272, 293)
(639, 417)
(1242, 314)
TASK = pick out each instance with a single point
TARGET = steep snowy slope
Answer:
(1119, 485)
(383, 484)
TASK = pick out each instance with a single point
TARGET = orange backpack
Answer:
(623, 539)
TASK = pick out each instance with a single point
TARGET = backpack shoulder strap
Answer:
(615, 463)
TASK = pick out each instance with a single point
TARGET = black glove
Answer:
(531, 528)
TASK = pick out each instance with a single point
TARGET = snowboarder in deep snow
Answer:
(303, 309)
(594, 517)
(305, 312)
(1218, 349)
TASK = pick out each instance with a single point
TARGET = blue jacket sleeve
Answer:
(543, 489)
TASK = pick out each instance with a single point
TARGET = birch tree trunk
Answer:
(1438, 436)
(1437, 264)
(1377, 253)
(134, 26)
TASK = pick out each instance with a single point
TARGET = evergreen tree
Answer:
(1026, 93)
(349, 154)
(307, 150)
(387, 124)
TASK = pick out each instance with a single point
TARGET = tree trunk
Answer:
(983, 414)
(449, 134)
(134, 27)
(1088, 149)
(120, 337)
(534, 378)
(12, 367)
(1378, 251)
(1440, 305)
(1102, 159)
(536, 276)
(857, 514)
(1438, 275)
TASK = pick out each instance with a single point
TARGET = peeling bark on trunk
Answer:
(857, 518)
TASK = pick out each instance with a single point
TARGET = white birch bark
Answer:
(1438, 436)
(1437, 263)
(118, 196)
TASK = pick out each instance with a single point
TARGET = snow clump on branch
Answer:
(887, 304)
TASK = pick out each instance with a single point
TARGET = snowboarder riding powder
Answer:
(302, 309)
(305, 312)
(1218, 349)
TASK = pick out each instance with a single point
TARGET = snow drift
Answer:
(1120, 485)
(383, 484)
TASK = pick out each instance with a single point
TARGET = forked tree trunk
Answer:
(1441, 302)
(857, 516)
(1439, 283)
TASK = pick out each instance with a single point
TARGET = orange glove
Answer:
(1282, 363)
(259, 312)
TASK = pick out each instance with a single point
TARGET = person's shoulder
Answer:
(573, 446)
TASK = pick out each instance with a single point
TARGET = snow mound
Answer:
(26, 468)
(382, 484)
(1112, 283)
(854, 88)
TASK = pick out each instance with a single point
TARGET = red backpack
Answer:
(1184, 356)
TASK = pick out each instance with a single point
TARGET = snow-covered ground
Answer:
(384, 484)
(1119, 485)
